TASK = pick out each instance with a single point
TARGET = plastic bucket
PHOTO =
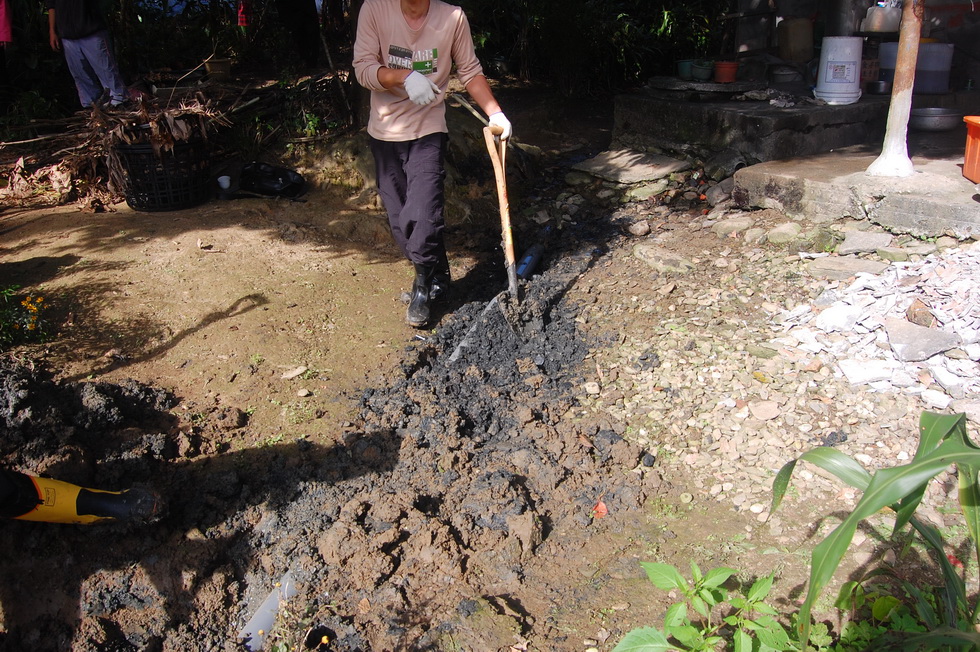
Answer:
(684, 68)
(702, 70)
(839, 74)
(725, 71)
(931, 67)
(795, 39)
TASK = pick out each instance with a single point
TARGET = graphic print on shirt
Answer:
(423, 61)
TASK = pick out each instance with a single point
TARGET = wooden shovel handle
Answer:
(498, 156)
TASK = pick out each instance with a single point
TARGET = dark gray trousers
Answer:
(411, 182)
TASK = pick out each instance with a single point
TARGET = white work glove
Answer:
(498, 119)
(420, 88)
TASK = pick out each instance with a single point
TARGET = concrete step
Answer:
(936, 200)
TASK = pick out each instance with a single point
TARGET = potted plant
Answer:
(725, 71)
(702, 69)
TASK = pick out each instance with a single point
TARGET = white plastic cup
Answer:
(224, 182)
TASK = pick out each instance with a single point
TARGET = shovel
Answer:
(498, 156)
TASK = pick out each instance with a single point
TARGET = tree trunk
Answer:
(894, 160)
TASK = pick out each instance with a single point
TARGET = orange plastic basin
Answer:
(971, 158)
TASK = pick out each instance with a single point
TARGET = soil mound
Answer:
(415, 529)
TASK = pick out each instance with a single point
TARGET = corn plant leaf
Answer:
(887, 487)
(829, 459)
(943, 636)
(922, 607)
(664, 576)
(933, 430)
(954, 589)
(644, 639)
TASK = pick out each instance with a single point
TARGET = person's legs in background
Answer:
(98, 52)
(86, 81)
(94, 68)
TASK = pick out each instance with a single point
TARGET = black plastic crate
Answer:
(172, 180)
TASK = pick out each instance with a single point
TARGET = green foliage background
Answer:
(593, 46)
(576, 46)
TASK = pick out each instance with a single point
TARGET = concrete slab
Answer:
(626, 166)
(810, 160)
(757, 130)
(936, 200)
(691, 85)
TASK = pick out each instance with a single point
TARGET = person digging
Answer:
(404, 52)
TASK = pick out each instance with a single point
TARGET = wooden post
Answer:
(894, 160)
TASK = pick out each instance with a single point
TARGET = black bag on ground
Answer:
(265, 179)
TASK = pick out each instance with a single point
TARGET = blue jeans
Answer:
(94, 68)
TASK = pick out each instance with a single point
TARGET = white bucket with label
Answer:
(839, 75)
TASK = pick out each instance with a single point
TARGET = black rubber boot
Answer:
(440, 281)
(418, 306)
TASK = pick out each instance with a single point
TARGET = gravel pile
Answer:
(736, 354)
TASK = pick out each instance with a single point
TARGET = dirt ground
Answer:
(428, 490)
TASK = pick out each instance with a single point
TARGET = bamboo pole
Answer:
(894, 160)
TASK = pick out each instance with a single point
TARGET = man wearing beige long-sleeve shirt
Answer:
(404, 53)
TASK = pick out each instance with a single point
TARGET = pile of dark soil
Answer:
(414, 532)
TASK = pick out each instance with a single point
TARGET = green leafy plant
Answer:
(708, 616)
(943, 442)
(880, 611)
(21, 317)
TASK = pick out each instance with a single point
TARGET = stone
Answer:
(862, 242)
(859, 372)
(645, 191)
(294, 373)
(755, 235)
(841, 268)
(661, 259)
(971, 408)
(953, 384)
(784, 233)
(919, 314)
(911, 342)
(575, 178)
(838, 317)
(640, 228)
(823, 239)
(892, 254)
(720, 192)
(764, 410)
(934, 398)
(761, 351)
(732, 225)
(629, 166)
(921, 249)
